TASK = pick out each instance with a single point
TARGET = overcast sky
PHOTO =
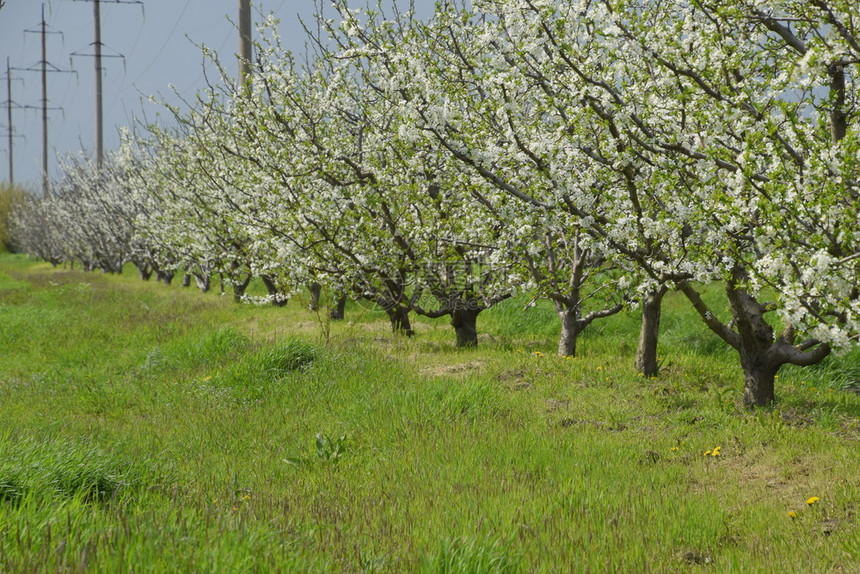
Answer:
(156, 38)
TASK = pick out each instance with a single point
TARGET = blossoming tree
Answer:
(450, 96)
(703, 143)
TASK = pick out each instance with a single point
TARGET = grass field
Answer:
(149, 428)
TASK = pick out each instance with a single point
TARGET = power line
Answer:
(166, 42)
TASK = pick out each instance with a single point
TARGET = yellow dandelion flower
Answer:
(707, 452)
(674, 448)
(716, 451)
(812, 389)
(812, 500)
(792, 514)
(206, 379)
(599, 368)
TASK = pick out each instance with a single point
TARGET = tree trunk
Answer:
(755, 341)
(464, 322)
(399, 317)
(838, 113)
(315, 289)
(186, 280)
(649, 330)
(239, 289)
(145, 272)
(203, 282)
(759, 378)
(570, 330)
(278, 298)
(761, 352)
(339, 310)
(165, 277)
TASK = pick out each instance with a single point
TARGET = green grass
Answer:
(157, 429)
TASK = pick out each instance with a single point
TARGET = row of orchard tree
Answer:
(593, 153)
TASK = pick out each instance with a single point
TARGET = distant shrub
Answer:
(9, 195)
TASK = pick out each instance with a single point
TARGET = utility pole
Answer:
(97, 44)
(9, 119)
(97, 56)
(10, 104)
(43, 68)
(244, 40)
(44, 107)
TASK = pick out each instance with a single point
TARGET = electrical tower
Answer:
(10, 130)
(97, 56)
(43, 68)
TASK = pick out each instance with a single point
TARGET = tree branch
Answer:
(585, 321)
(800, 355)
(843, 31)
(714, 324)
(782, 30)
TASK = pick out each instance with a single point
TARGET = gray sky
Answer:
(157, 42)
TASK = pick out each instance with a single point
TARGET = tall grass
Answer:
(163, 430)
